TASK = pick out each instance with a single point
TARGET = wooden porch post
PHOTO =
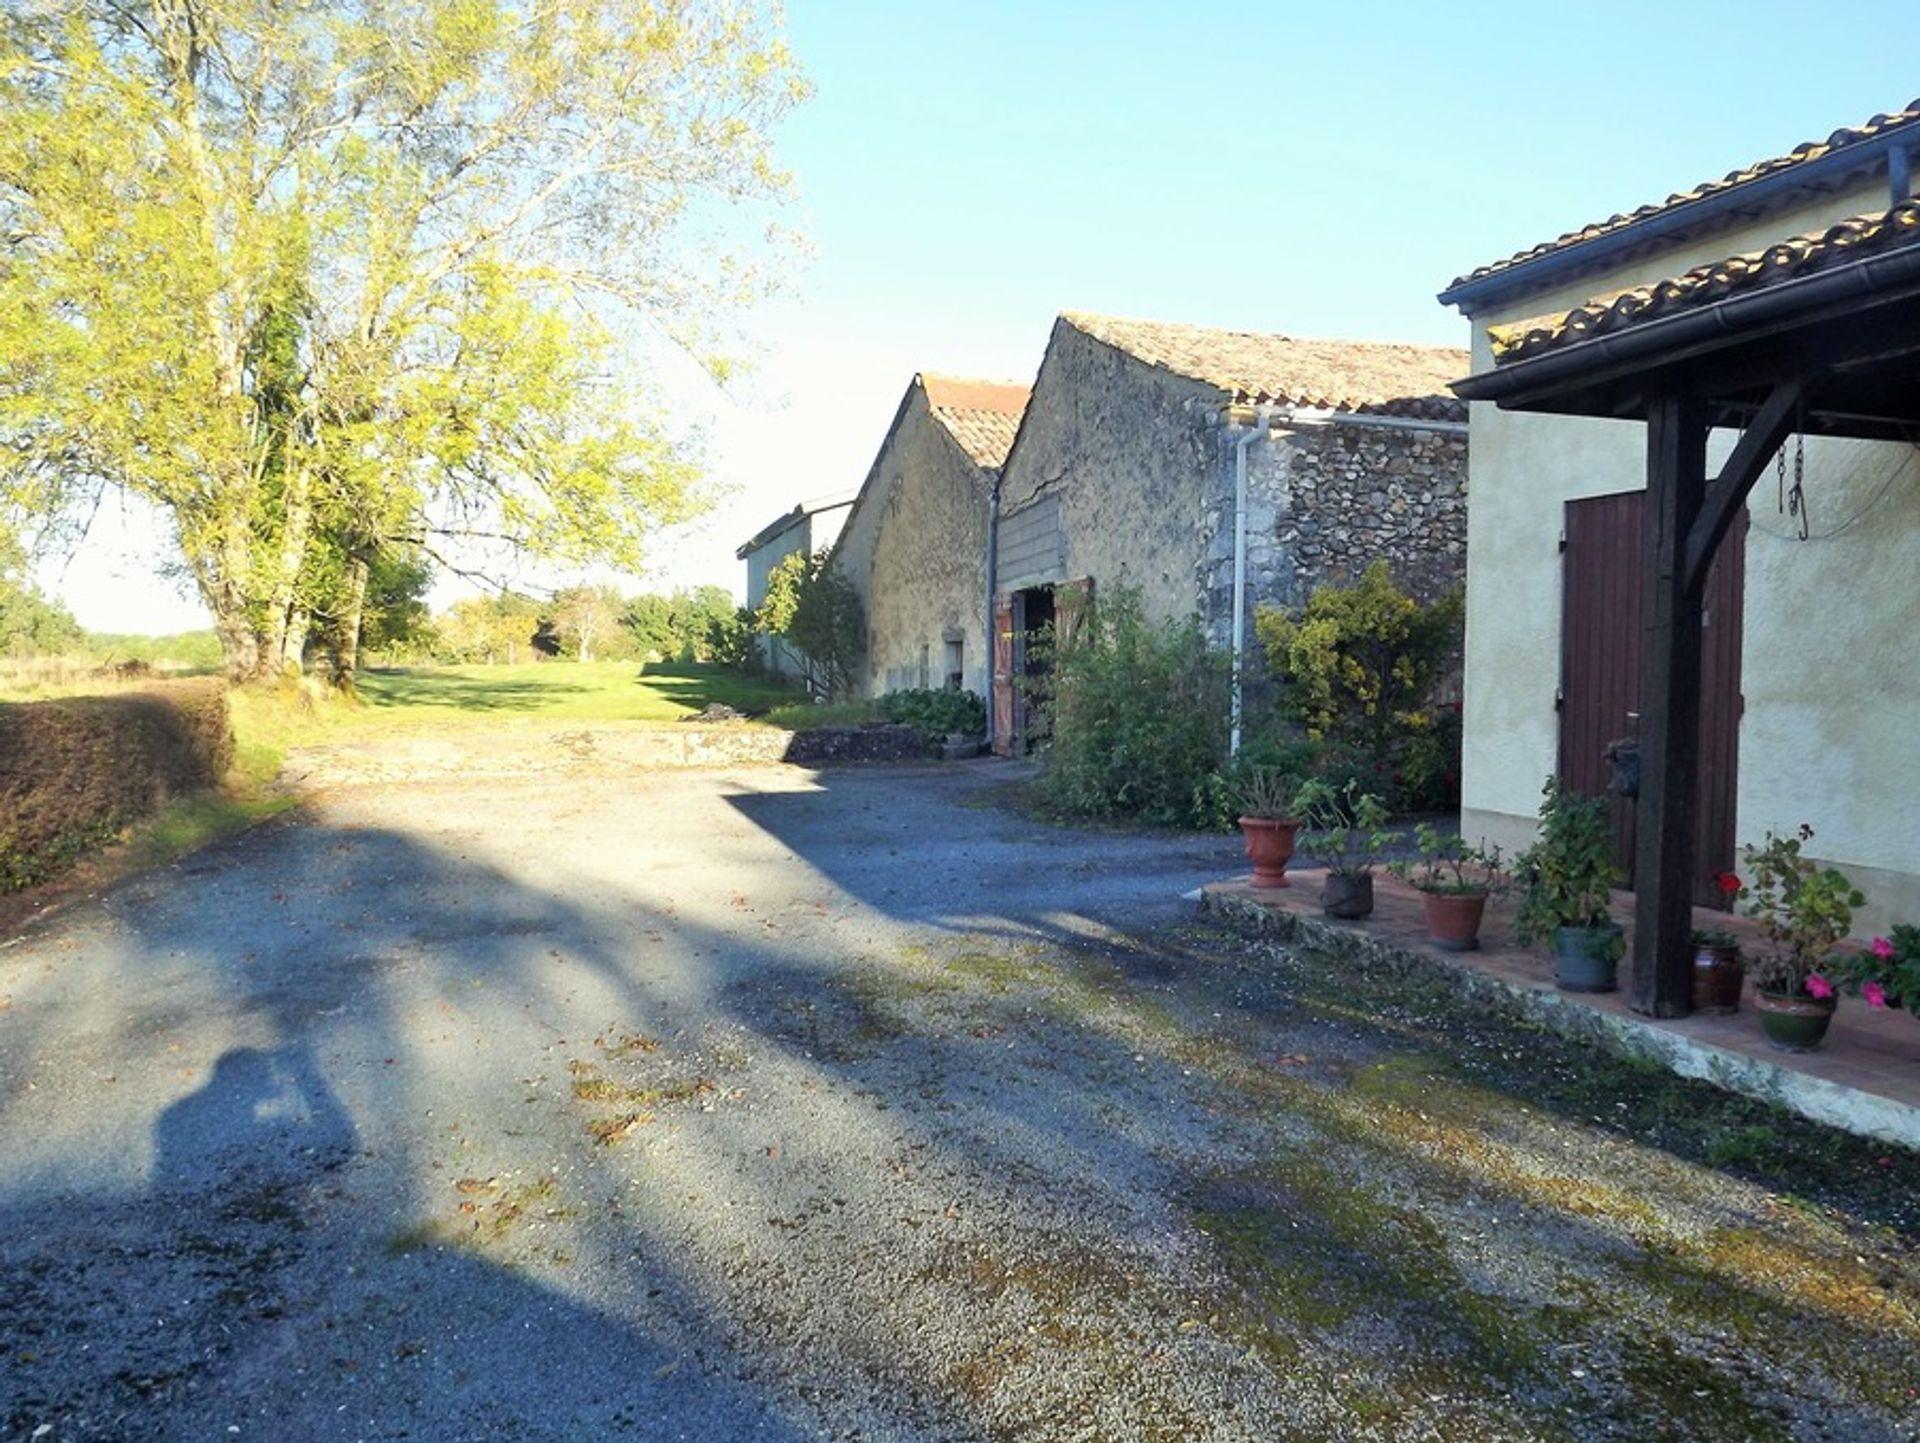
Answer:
(1669, 709)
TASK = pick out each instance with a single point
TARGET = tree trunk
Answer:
(346, 635)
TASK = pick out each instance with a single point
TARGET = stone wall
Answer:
(1360, 493)
(1323, 501)
(915, 549)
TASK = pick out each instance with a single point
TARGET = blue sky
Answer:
(966, 171)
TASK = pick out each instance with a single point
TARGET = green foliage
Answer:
(814, 607)
(1139, 720)
(1567, 875)
(321, 280)
(31, 623)
(1342, 828)
(1265, 793)
(586, 621)
(703, 618)
(730, 639)
(193, 650)
(1360, 665)
(937, 714)
(1803, 910)
(807, 715)
(1447, 864)
(489, 629)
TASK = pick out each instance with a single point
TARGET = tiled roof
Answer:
(1800, 155)
(1376, 377)
(981, 415)
(1785, 260)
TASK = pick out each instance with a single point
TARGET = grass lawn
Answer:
(560, 691)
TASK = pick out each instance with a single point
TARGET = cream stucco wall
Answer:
(1832, 689)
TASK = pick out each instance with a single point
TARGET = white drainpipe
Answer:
(1240, 446)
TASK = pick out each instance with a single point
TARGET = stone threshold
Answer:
(1865, 1079)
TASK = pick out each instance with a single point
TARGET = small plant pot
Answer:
(1718, 975)
(1793, 1021)
(1348, 897)
(1587, 959)
(1269, 847)
(1453, 919)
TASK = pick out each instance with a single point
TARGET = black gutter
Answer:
(1671, 338)
(1543, 271)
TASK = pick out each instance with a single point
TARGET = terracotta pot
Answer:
(1718, 974)
(1349, 897)
(1793, 1021)
(1587, 959)
(1270, 846)
(1453, 919)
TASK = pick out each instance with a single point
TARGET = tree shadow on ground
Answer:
(471, 1146)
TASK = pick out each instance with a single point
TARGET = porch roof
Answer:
(1840, 309)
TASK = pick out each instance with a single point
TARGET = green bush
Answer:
(1361, 664)
(76, 770)
(937, 713)
(1139, 720)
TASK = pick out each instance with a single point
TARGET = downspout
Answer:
(993, 585)
(1240, 446)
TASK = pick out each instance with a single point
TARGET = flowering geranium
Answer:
(1804, 912)
(1887, 974)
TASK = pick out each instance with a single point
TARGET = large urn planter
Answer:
(1269, 847)
(1347, 896)
(1453, 919)
(1793, 1021)
(1718, 975)
(1587, 959)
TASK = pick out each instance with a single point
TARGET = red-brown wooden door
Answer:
(1003, 676)
(1600, 673)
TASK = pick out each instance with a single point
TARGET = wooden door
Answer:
(1003, 689)
(1600, 674)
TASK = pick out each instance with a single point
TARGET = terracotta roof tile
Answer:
(1782, 261)
(1799, 155)
(1376, 377)
(981, 415)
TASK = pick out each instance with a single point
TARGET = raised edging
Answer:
(1832, 1104)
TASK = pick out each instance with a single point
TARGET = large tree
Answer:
(325, 278)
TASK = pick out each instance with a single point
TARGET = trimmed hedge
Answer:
(75, 771)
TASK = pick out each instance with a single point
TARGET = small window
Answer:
(925, 660)
(956, 664)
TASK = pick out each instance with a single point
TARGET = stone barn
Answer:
(1139, 437)
(915, 543)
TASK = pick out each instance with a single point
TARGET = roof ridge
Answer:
(1075, 317)
(1807, 150)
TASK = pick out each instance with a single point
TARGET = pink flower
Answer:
(1875, 994)
(1818, 986)
(1883, 949)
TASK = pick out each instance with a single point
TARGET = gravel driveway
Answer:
(771, 1105)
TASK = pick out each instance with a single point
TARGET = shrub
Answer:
(74, 771)
(1361, 664)
(937, 713)
(1139, 720)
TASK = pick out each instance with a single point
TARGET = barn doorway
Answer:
(1599, 699)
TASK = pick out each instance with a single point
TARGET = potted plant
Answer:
(1719, 971)
(1344, 830)
(1804, 912)
(1888, 973)
(1566, 881)
(1454, 878)
(1265, 798)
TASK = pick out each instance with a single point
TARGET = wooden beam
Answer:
(1770, 426)
(1669, 709)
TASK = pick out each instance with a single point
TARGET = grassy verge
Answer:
(804, 716)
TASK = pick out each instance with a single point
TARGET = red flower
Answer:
(1726, 882)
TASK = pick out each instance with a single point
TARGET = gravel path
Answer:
(765, 1105)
